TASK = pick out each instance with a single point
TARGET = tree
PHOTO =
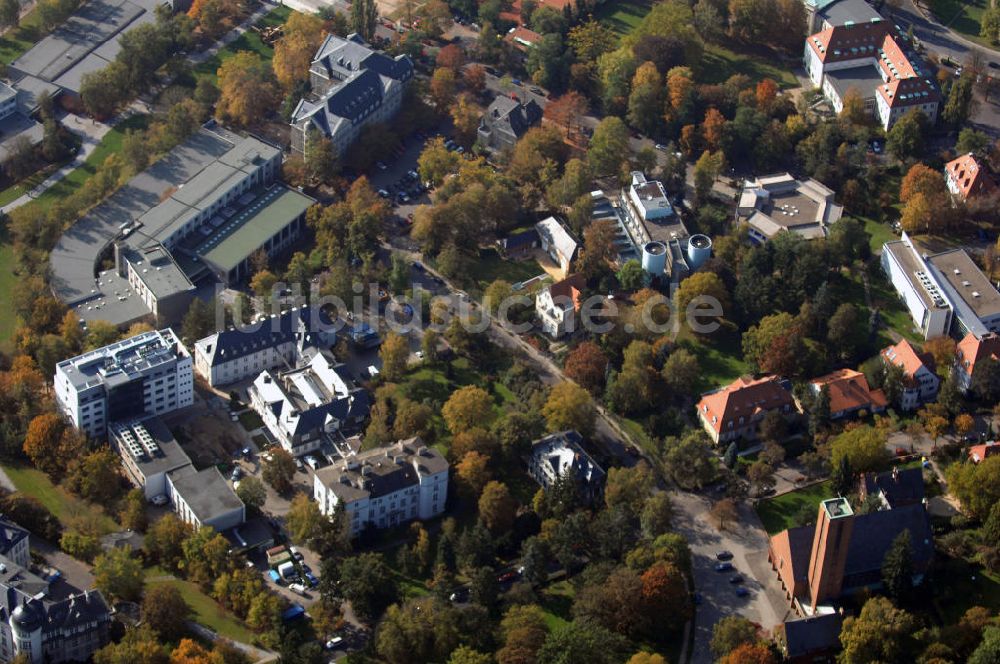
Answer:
(976, 485)
(496, 294)
(880, 633)
(587, 365)
(95, 476)
(724, 512)
(252, 492)
(394, 353)
(364, 18)
(646, 658)
(580, 641)
(466, 655)
(906, 138)
(631, 275)
(863, 447)
(701, 289)
(609, 146)
(368, 584)
(569, 407)
(10, 13)
(690, 461)
(712, 128)
(598, 248)
(474, 77)
(484, 589)
(761, 476)
(248, 93)
(730, 633)
(845, 332)
(133, 513)
(118, 574)
(293, 53)
(465, 116)
(524, 632)
(304, 519)
(960, 105)
(48, 442)
(466, 408)
(442, 88)
(646, 99)
(756, 653)
(628, 488)
(706, 170)
(163, 541)
(472, 473)
(988, 649)
(164, 608)
(971, 141)
(924, 180)
(278, 472)
(897, 568)
(566, 112)
(497, 507)
(101, 91)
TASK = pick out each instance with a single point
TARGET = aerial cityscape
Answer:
(500, 331)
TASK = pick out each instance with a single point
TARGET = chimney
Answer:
(831, 542)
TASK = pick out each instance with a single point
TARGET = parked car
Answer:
(159, 500)
(334, 643)
(724, 555)
(236, 474)
(538, 91)
(724, 567)
(736, 579)
(297, 588)
(311, 578)
(312, 462)
(741, 591)
(515, 81)
(298, 465)
(381, 166)
(661, 146)
(508, 577)
(383, 193)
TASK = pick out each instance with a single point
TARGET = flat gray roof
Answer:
(968, 282)
(13, 127)
(29, 89)
(864, 79)
(170, 457)
(841, 12)
(86, 42)
(74, 258)
(206, 492)
(158, 271)
(903, 252)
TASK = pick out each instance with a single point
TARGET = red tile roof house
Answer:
(920, 383)
(843, 552)
(736, 410)
(849, 393)
(972, 351)
(966, 177)
(979, 453)
(871, 58)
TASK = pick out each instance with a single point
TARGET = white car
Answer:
(159, 500)
(297, 588)
(373, 371)
(312, 462)
(334, 642)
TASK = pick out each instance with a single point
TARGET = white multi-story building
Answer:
(302, 406)
(942, 290)
(354, 86)
(869, 59)
(280, 340)
(385, 487)
(148, 374)
(557, 305)
(920, 383)
(773, 204)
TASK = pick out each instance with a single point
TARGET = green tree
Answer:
(988, 650)
(609, 146)
(960, 105)
(118, 574)
(133, 512)
(304, 519)
(252, 492)
(580, 641)
(569, 407)
(10, 13)
(657, 515)
(897, 568)
(497, 508)
(631, 275)
(863, 447)
(628, 488)
(976, 485)
(368, 583)
(906, 138)
(970, 140)
(364, 18)
(279, 471)
(706, 171)
(731, 632)
(163, 542)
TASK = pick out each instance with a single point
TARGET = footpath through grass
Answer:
(248, 41)
(779, 513)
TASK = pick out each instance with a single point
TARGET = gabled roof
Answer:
(849, 391)
(813, 634)
(522, 38)
(904, 355)
(849, 42)
(568, 290)
(971, 350)
(511, 116)
(874, 533)
(235, 343)
(978, 453)
(898, 487)
(552, 233)
(11, 535)
(744, 397)
(969, 176)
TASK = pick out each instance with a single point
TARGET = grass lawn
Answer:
(15, 191)
(66, 507)
(623, 16)
(248, 41)
(250, 420)
(880, 233)
(17, 42)
(963, 16)
(557, 603)
(891, 309)
(491, 267)
(7, 282)
(207, 612)
(109, 145)
(720, 358)
(638, 433)
(720, 63)
(777, 513)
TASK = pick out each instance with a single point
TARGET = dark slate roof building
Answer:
(506, 120)
(561, 455)
(353, 86)
(896, 488)
(67, 630)
(14, 543)
(806, 639)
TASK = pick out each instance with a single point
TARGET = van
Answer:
(373, 371)
(286, 570)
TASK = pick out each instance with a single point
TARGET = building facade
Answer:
(920, 383)
(736, 410)
(148, 374)
(966, 177)
(557, 306)
(772, 204)
(386, 486)
(506, 121)
(302, 406)
(561, 456)
(354, 86)
(204, 498)
(972, 352)
(873, 60)
(556, 241)
(68, 630)
(279, 340)
(849, 393)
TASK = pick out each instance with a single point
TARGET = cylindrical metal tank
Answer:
(699, 250)
(654, 258)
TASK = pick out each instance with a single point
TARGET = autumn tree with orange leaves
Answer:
(248, 92)
(293, 53)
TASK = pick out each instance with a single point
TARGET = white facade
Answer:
(556, 318)
(416, 477)
(204, 498)
(917, 287)
(148, 374)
